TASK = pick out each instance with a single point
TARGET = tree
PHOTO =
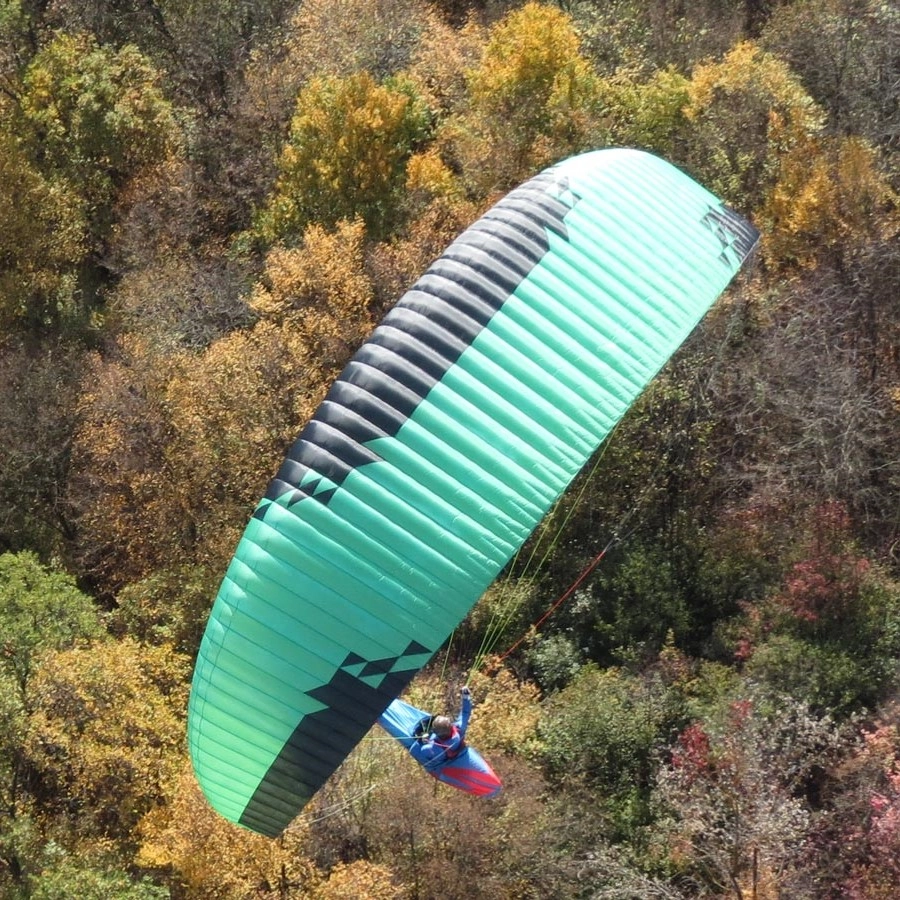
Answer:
(119, 492)
(350, 36)
(647, 113)
(731, 812)
(93, 117)
(105, 733)
(829, 202)
(345, 156)
(858, 841)
(432, 836)
(744, 114)
(209, 43)
(41, 611)
(532, 100)
(42, 242)
(396, 265)
(233, 410)
(831, 633)
(168, 607)
(601, 736)
(181, 299)
(641, 37)
(37, 420)
(64, 875)
(361, 879)
(235, 407)
(842, 52)
(208, 856)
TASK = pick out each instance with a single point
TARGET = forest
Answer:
(689, 681)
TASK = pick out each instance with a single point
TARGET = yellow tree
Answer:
(210, 857)
(345, 156)
(361, 879)
(232, 414)
(829, 201)
(321, 287)
(106, 732)
(532, 99)
(322, 294)
(745, 113)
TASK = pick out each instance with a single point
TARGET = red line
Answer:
(559, 601)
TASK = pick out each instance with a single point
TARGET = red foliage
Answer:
(820, 591)
(824, 586)
(827, 583)
(877, 875)
(691, 754)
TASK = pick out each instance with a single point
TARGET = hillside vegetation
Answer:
(205, 209)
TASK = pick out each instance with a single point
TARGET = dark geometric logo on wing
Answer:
(737, 236)
(358, 693)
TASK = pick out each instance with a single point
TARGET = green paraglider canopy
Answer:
(437, 451)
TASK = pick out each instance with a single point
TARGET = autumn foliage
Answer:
(207, 207)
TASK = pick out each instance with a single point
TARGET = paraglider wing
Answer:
(468, 771)
(436, 452)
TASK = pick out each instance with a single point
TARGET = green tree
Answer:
(64, 875)
(346, 155)
(646, 113)
(169, 606)
(41, 611)
(601, 736)
(639, 37)
(93, 117)
(831, 633)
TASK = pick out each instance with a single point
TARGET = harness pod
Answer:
(468, 770)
